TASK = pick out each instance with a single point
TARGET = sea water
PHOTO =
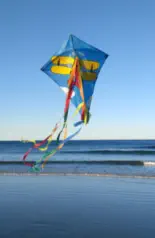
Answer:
(115, 157)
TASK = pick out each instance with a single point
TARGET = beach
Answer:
(76, 206)
(90, 189)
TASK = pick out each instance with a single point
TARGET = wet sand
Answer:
(76, 206)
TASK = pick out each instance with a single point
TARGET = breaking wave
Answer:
(92, 162)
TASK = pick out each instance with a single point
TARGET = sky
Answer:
(31, 31)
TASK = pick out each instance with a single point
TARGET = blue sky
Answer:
(124, 98)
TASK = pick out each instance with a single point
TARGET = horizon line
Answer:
(85, 140)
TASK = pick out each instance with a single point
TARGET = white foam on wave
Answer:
(149, 163)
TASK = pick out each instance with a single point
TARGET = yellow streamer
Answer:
(78, 109)
(26, 141)
(46, 147)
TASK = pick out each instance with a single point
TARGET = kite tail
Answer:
(71, 84)
(47, 140)
(40, 164)
(75, 79)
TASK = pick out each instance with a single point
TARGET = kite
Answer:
(75, 68)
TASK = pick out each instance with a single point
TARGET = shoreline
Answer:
(76, 174)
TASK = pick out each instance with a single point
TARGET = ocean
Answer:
(102, 157)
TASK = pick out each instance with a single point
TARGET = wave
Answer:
(91, 162)
(110, 151)
(116, 151)
(148, 147)
(149, 163)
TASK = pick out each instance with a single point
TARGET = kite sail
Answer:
(75, 68)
